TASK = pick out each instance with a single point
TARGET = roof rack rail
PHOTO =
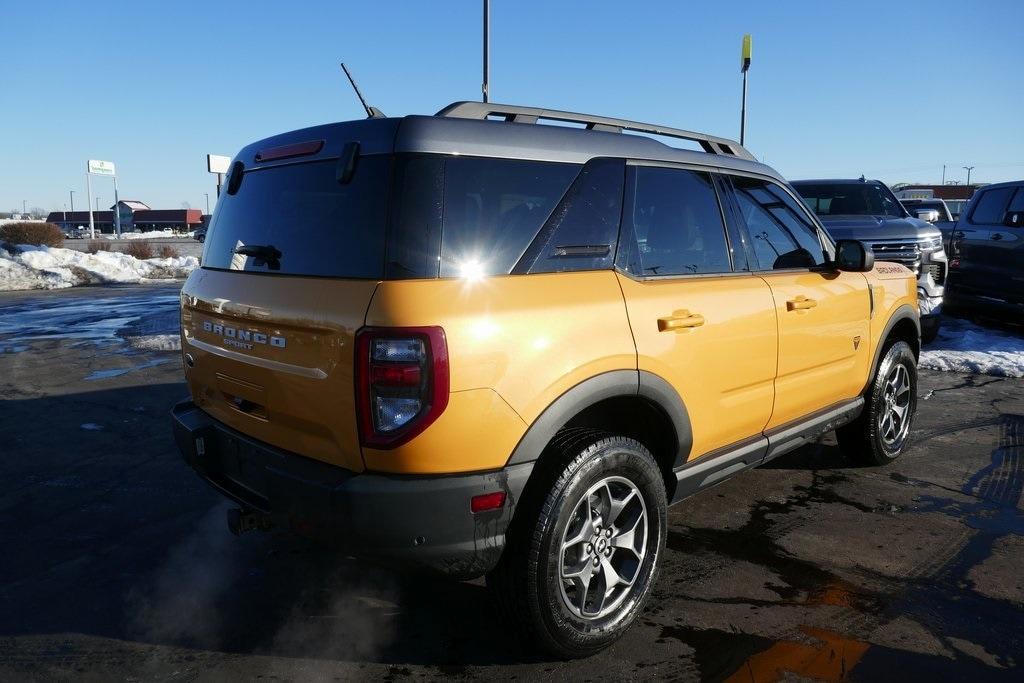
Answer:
(518, 114)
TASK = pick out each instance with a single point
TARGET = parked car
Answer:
(497, 347)
(200, 233)
(868, 211)
(931, 210)
(986, 250)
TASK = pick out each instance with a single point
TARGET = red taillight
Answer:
(487, 501)
(401, 382)
(297, 149)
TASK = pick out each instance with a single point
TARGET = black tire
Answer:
(867, 439)
(527, 583)
(930, 329)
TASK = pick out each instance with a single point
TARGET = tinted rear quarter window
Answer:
(582, 231)
(493, 208)
(319, 226)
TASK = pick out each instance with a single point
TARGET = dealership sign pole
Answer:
(217, 164)
(744, 66)
(106, 168)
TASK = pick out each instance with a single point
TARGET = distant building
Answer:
(135, 216)
(126, 208)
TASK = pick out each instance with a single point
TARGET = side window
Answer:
(782, 235)
(583, 229)
(414, 240)
(493, 209)
(991, 206)
(672, 224)
(1017, 203)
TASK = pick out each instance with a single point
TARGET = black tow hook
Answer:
(240, 521)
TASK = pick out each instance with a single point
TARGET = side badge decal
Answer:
(856, 342)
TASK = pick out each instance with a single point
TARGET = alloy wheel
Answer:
(894, 417)
(603, 548)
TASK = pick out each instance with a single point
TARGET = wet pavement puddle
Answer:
(112, 323)
(957, 616)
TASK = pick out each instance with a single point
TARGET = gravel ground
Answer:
(118, 563)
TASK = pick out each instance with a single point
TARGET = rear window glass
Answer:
(850, 199)
(493, 208)
(302, 215)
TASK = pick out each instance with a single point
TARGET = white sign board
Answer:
(216, 163)
(101, 167)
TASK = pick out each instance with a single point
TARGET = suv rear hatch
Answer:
(294, 253)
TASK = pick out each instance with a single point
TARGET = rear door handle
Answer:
(800, 303)
(680, 320)
(997, 236)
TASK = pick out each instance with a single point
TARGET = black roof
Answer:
(454, 134)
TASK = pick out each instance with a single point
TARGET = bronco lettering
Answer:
(230, 334)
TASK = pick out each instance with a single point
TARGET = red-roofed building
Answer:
(135, 216)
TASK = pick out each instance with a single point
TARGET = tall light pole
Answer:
(968, 169)
(943, 174)
(487, 50)
(744, 67)
(72, 200)
(207, 203)
(23, 209)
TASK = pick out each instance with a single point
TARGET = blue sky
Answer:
(893, 90)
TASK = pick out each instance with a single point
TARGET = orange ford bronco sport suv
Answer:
(478, 344)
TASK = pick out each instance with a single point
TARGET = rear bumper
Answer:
(418, 521)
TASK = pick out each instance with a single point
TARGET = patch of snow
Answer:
(92, 427)
(963, 346)
(5, 221)
(156, 342)
(152, 234)
(32, 267)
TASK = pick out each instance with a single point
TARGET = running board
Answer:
(716, 466)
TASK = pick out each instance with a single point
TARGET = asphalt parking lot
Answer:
(117, 562)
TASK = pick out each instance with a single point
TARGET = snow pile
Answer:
(156, 342)
(5, 221)
(31, 267)
(152, 234)
(963, 346)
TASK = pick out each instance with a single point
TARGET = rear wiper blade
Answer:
(263, 253)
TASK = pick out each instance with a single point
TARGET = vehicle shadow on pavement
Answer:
(108, 533)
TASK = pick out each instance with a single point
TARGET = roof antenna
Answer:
(371, 112)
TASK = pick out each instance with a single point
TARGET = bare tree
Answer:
(38, 212)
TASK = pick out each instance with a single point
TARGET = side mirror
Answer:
(1014, 219)
(853, 256)
(930, 215)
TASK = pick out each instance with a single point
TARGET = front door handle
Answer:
(997, 236)
(800, 303)
(680, 320)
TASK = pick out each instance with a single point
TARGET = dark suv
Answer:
(986, 249)
(868, 211)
